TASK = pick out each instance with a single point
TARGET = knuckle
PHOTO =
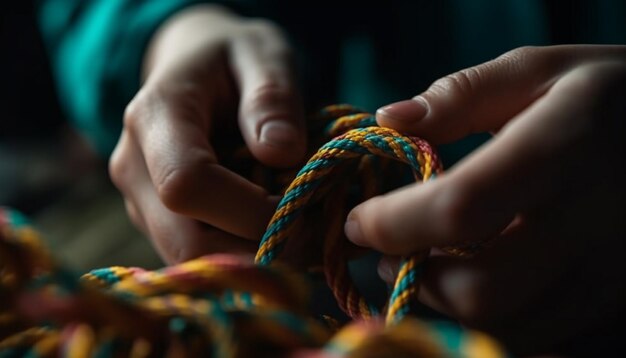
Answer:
(521, 54)
(603, 79)
(134, 111)
(119, 168)
(176, 184)
(459, 85)
(542, 62)
(271, 94)
(604, 84)
(152, 101)
(172, 186)
(271, 91)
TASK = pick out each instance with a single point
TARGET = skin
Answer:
(231, 73)
(548, 188)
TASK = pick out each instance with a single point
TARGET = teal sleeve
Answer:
(96, 50)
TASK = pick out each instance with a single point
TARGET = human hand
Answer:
(549, 187)
(204, 69)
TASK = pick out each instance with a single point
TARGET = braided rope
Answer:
(355, 143)
(224, 305)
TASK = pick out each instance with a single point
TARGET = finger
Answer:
(271, 114)
(176, 238)
(183, 169)
(483, 98)
(535, 281)
(513, 173)
(495, 284)
(388, 268)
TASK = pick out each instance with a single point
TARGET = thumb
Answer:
(532, 166)
(270, 115)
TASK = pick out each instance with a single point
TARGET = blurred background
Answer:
(46, 170)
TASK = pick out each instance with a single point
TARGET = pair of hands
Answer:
(204, 68)
(548, 186)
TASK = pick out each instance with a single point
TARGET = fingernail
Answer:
(352, 229)
(386, 272)
(411, 110)
(278, 133)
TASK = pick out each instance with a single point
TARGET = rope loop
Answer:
(357, 138)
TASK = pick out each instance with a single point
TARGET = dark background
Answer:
(27, 89)
(32, 128)
(46, 170)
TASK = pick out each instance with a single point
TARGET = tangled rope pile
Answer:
(225, 306)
